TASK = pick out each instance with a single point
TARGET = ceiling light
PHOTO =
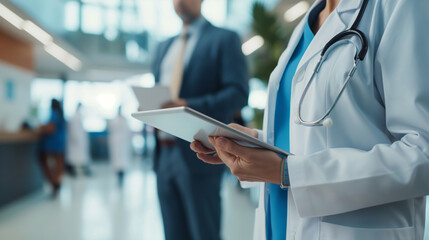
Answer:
(296, 11)
(10, 16)
(64, 56)
(37, 32)
(252, 45)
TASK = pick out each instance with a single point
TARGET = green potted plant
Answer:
(262, 62)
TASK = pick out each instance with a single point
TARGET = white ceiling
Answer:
(102, 69)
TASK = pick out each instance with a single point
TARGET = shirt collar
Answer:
(196, 26)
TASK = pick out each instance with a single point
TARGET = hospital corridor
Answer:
(214, 120)
(96, 209)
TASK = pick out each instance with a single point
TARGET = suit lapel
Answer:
(198, 47)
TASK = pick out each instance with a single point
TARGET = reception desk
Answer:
(20, 173)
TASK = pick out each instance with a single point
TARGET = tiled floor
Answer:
(96, 209)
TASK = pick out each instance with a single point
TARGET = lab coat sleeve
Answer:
(339, 180)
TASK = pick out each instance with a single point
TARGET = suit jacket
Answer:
(215, 83)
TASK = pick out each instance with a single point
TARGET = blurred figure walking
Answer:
(53, 146)
(77, 152)
(119, 140)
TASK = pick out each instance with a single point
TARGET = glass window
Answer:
(92, 16)
(42, 92)
(92, 1)
(129, 20)
(111, 3)
(112, 17)
(147, 12)
(168, 23)
(215, 11)
(71, 16)
(112, 22)
(130, 3)
(100, 101)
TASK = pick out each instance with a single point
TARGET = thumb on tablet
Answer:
(246, 130)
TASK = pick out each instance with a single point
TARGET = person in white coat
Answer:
(119, 141)
(77, 151)
(361, 171)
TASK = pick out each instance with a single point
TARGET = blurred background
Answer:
(89, 53)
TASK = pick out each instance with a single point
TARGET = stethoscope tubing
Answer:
(359, 56)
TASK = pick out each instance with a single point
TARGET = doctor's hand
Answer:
(196, 146)
(176, 103)
(248, 164)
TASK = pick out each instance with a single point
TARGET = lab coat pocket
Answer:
(330, 231)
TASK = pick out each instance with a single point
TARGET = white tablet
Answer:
(190, 125)
(152, 98)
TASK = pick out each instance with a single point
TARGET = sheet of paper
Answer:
(152, 98)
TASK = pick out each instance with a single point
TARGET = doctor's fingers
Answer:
(231, 147)
(227, 158)
(233, 155)
(246, 130)
(215, 160)
(197, 147)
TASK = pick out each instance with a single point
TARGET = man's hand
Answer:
(177, 103)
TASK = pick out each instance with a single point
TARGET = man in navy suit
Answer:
(206, 70)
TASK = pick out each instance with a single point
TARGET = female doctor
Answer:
(357, 124)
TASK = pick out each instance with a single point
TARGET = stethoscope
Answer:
(325, 120)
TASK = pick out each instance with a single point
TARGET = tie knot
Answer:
(184, 34)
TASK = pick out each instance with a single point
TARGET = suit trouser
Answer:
(190, 206)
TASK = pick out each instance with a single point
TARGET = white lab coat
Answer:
(365, 177)
(77, 152)
(119, 140)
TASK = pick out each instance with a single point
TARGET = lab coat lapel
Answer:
(332, 26)
(316, 46)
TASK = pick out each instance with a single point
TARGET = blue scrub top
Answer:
(55, 142)
(276, 214)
